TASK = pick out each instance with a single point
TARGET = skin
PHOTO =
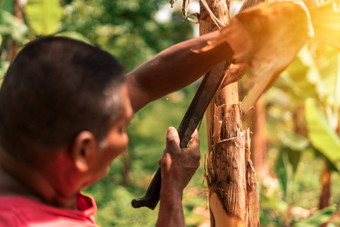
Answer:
(72, 168)
(173, 69)
(177, 166)
(85, 160)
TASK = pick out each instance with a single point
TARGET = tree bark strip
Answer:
(256, 120)
(233, 194)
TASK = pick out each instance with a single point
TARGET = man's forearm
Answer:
(178, 166)
(173, 69)
(170, 209)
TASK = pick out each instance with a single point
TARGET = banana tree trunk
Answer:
(326, 180)
(233, 194)
(256, 120)
(325, 196)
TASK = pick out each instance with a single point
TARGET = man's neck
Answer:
(19, 179)
(10, 186)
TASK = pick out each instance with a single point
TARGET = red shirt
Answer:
(16, 211)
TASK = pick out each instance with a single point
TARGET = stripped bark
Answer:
(233, 194)
(256, 120)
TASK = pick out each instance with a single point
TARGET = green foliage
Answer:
(126, 29)
(43, 16)
(321, 135)
(317, 219)
(3, 68)
(305, 101)
(113, 200)
(288, 159)
(74, 35)
(12, 27)
(7, 5)
(299, 209)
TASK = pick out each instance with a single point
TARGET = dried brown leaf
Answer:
(234, 73)
(172, 2)
(185, 7)
(326, 22)
(267, 37)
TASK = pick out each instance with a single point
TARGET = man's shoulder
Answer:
(21, 211)
(8, 215)
(11, 210)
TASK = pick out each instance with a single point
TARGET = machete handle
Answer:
(188, 125)
(152, 194)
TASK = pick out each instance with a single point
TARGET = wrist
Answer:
(171, 196)
(170, 209)
(171, 192)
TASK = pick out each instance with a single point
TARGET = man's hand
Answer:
(177, 166)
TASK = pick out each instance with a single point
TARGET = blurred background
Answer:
(295, 126)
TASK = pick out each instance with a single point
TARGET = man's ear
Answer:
(84, 150)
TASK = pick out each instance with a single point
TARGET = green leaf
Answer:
(7, 5)
(298, 85)
(286, 167)
(293, 140)
(283, 171)
(329, 164)
(294, 159)
(3, 68)
(43, 16)
(288, 159)
(74, 35)
(321, 134)
(317, 219)
(11, 26)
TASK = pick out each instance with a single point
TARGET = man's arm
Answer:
(173, 69)
(177, 166)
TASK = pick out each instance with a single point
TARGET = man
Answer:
(64, 108)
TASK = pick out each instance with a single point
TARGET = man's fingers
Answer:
(195, 141)
(194, 145)
(172, 140)
(165, 162)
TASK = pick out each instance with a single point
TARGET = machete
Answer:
(191, 119)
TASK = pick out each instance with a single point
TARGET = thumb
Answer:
(194, 141)
(172, 141)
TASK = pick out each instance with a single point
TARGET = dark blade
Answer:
(191, 119)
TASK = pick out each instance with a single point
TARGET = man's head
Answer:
(55, 89)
